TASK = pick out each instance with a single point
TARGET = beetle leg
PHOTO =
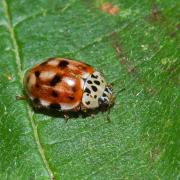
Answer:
(66, 117)
(23, 97)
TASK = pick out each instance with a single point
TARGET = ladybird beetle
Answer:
(67, 85)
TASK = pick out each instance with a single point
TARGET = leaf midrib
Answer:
(20, 75)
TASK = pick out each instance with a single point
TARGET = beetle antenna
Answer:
(109, 109)
(108, 115)
(121, 90)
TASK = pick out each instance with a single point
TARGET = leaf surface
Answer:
(137, 49)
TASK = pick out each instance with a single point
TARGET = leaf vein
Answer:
(20, 74)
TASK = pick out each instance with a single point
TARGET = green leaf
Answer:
(137, 49)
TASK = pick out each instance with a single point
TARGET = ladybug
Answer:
(67, 85)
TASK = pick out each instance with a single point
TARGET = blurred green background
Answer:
(136, 45)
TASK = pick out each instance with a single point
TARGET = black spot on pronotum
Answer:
(93, 76)
(71, 98)
(55, 80)
(89, 82)
(97, 82)
(94, 88)
(54, 94)
(87, 90)
(63, 64)
(55, 106)
(37, 73)
(88, 102)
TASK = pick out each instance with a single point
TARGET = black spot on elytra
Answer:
(94, 88)
(74, 89)
(55, 80)
(37, 73)
(97, 82)
(95, 96)
(55, 106)
(37, 85)
(54, 94)
(93, 76)
(89, 82)
(71, 98)
(87, 90)
(88, 102)
(63, 64)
